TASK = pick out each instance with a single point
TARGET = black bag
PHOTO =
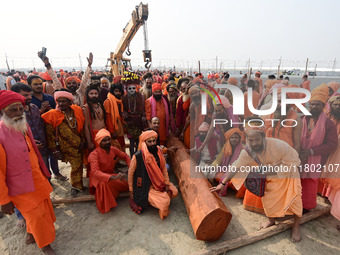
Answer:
(255, 182)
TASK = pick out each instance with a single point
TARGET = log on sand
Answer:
(261, 234)
(208, 215)
(85, 198)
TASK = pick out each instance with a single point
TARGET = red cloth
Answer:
(8, 97)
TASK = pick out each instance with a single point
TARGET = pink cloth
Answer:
(309, 180)
(153, 111)
(334, 198)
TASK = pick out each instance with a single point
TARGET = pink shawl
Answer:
(315, 138)
(153, 111)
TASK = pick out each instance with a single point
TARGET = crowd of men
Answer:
(84, 118)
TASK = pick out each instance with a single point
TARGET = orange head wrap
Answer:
(145, 136)
(334, 99)
(251, 126)
(101, 135)
(232, 81)
(334, 85)
(156, 86)
(72, 78)
(320, 93)
(228, 150)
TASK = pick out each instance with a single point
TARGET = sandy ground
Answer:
(81, 229)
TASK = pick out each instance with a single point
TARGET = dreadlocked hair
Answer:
(94, 86)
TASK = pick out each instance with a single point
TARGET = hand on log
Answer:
(217, 188)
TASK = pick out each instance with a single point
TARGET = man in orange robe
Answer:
(148, 177)
(306, 83)
(158, 106)
(114, 108)
(25, 187)
(103, 178)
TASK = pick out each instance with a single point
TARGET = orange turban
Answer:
(156, 86)
(334, 85)
(334, 99)
(228, 150)
(320, 93)
(204, 127)
(65, 94)
(72, 78)
(46, 77)
(232, 81)
(8, 97)
(101, 135)
(145, 136)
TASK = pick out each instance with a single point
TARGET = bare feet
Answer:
(268, 223)
(48, 250)
(29, 239)
(21, 223)
(327, 201)
(338, 227)
(296, 237)
(74, 192)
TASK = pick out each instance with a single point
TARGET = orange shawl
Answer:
(114, 109)
(56, 117)
(228, 150)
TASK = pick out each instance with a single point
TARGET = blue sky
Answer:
(182, 31)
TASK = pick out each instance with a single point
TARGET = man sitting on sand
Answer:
(282, 194)
(106, 182)
(148, 177)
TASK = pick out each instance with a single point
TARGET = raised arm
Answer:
(85, 79)
(50, 71)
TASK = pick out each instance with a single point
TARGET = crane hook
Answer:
(128, 52)
(147, 64)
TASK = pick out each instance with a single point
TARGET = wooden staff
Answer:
(208, 215)
(261, 234)
(85, 198)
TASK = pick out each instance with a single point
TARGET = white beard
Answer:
(18, 123)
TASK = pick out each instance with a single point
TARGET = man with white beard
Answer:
(23, 174)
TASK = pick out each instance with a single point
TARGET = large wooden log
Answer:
(208, 215)
(261, 234)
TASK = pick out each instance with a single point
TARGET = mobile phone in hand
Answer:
(43, 53)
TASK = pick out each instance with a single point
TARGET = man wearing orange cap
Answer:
(148, 177)
(282, 188)
(23, 173)
(318, 140)
(158, 106)
(65, 137)
(106, 182)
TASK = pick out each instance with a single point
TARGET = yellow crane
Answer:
(119, 64)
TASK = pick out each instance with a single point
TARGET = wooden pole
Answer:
(251, 70)
(85, 198)
(315, 70)
(306, 66)
(261, 234)
(209, 217)
(199, 66)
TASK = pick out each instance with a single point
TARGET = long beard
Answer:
(17, 123)
(153, 149)
(172, 99)
(335, 114)
(147, 92)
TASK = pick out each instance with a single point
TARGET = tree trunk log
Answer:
(208, 215)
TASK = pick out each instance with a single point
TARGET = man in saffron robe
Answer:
(65, 138)
(318, 140)
(148, 177)
(114, 108)
(229, 153)
(25, 187)
(107, 183)
(282, 194)
(331, 177)
(158, 106)
(305, 82)
(258, 78)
